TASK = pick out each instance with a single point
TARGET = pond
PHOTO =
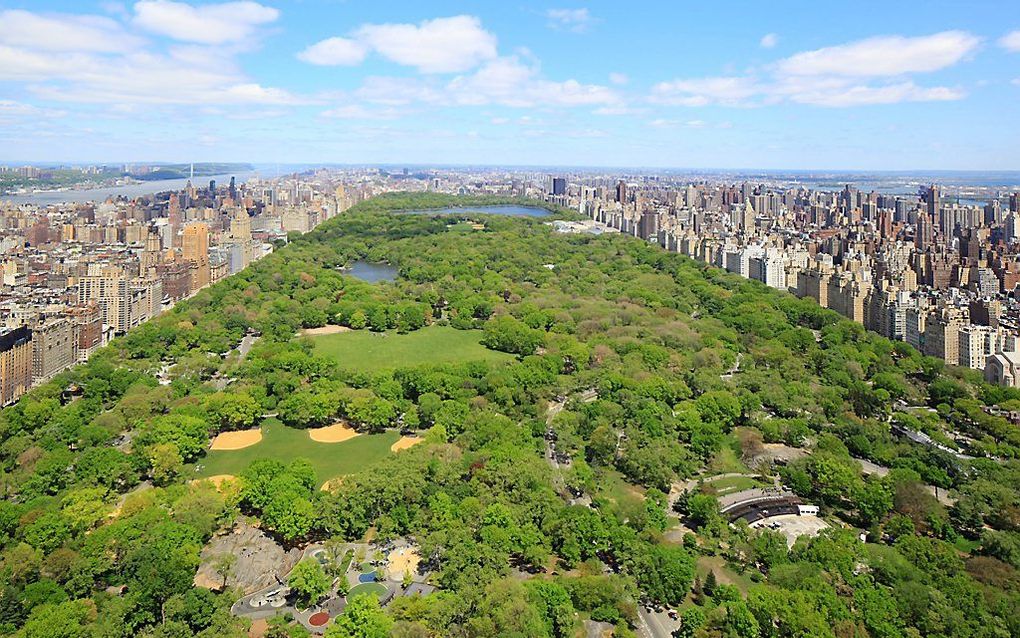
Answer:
(508, 210)
(372, 272)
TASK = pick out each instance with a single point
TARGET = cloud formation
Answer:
(573, 20)
(442, 45)
(884, 56)
(94, 59)
(1011, 41)
(864, 72)
(229, 22)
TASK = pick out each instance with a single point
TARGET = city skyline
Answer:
(535, 84)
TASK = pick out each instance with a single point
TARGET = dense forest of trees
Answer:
(100, 530)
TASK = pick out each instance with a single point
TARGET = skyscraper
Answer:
(621, 192)
(196, 250)
(934, 199)
(559, 186)
(196, 242)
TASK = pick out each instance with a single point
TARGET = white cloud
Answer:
(574, 20)
(1016, 82)
(510, 82)
(361, 112)
(400, 91)
(818, 91)
(11, 111)
(442, 45)
(884, 56)
(229, 22)
(866, 72)
(769, 40)
(64, 32)
(335, 52)
(504, 81)
(728, 91)
(668, 123)
(619, 79)
(93, 59)
(1011, 41)
(867, 95)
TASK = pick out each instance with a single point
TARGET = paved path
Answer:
(246, 344)
(940, 494)
(655, 625)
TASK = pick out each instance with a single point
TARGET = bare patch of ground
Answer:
(331, 484)
(236, 440)
(793, 526)
(218, 480)
(405, 442)
(259, 628)
(324, 330)
(336, 433)
(401, 561)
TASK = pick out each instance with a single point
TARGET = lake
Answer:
(508, 210)
(372, 272)
(129, 191)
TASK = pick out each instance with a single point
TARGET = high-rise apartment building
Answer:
(15, 364)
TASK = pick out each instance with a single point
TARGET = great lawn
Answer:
(286, 444)
(368, 351)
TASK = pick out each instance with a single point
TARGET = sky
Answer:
(784, 84)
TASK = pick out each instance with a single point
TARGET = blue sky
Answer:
(782, 84)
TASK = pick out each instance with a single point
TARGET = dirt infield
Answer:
(402, 561)
(236, 440)
(336, 433)
(405, 442)
(324, 330)
(331, 483)
(217, 479)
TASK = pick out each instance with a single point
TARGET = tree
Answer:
(64, 620)
(363, 618)
(664, 572)
(48, 532)
(224, 567)
(308, 581)
(691, 621)
(233, 410)
(166, 462)
(507, 334)
(703, 510)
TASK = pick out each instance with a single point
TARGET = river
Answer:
(129, 191)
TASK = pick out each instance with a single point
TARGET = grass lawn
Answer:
(367, 351)
(725, 461)
(286, 444)
(724, 574)
(965, 545)
(367, 588)
(732, 484)
(614, 486)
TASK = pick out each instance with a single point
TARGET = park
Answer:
(372, 352)
(286, 444)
